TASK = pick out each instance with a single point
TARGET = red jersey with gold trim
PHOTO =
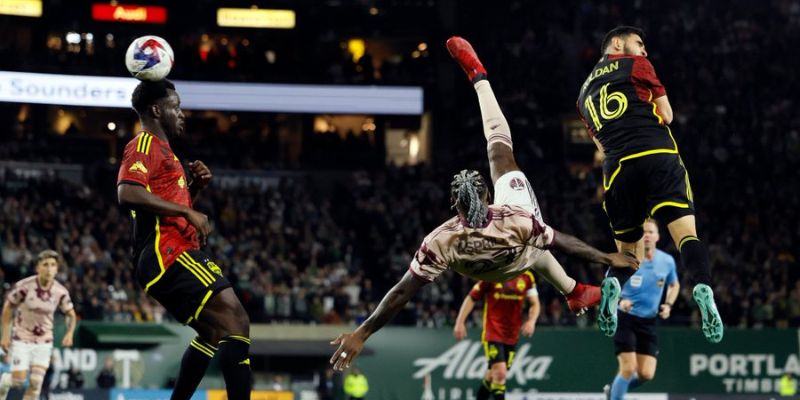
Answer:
(502, 306)
(149, 162)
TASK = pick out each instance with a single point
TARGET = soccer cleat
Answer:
(713, 329)
(583, 297)
(607, 392)
(465, 56)
(607, 317)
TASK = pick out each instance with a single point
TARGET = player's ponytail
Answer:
(467, 192)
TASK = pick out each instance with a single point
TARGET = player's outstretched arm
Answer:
(350, 344)
(575, 247)
(138, 197)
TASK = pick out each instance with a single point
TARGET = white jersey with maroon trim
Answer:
(35, 308)
(511, 241)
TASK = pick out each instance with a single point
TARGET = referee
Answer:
(635, 341)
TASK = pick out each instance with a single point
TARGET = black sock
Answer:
(499, 391)
(234, 360)
(193, 367)
(694, 258)
(622, 274)
(483, 391)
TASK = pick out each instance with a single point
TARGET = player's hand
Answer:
(200, 222)
(5, 343)
(459, 331)
(665, 310)
(625, 305)
(201, 175)
(67, 341)
(528, 327)
(623, 260)
(350, 345)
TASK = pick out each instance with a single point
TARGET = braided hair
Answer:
(467, 192)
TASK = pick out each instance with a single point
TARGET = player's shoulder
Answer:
(451, 226)
(665, 257)
(142, 142)
(31, 280)
(529, 275)
(60, 287)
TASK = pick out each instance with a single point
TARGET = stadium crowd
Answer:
(314, 250)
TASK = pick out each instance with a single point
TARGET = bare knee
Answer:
(627, 369)
(646, 375)
(499, 372)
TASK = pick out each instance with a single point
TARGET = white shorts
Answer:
(23, 355)
(514, 189)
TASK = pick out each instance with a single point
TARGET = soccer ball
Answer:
(149, 58)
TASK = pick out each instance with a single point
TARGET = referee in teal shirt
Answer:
(635, 342)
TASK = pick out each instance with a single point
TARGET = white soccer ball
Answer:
(149, 58)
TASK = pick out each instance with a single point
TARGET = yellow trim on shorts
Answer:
(202, 267)
(240, 338)
(666, 204)
(205, 280)
(203, 304)
(674, 150)
(197, 345)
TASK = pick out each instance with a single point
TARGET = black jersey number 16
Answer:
(606, 102)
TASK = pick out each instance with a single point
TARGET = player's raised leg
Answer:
(694, 257)
(495, 127)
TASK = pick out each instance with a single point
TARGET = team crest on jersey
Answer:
(214, 267)
(182, 182)
(138, 167)
(517, 184)
(520, 285)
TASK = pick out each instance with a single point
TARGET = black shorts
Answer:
(184, 287)
(635, 335)
(651, 186)
(499, 352)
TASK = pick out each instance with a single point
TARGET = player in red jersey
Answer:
(167, 235)
(491, 242)
(627, 114)
(502, 322)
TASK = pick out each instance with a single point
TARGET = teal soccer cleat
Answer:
(713, 329)
(607, 317)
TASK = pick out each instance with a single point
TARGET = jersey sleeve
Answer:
(541, 235)
(138, 162)
(478, 290)
(428, 262)
(532, 291)
(672, 277)
(16, 294)
(65, 302)
(644, 74)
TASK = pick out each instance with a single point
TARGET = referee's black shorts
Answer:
(655, 185)
(184, 287)
(635, 335)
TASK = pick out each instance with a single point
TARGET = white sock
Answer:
(495, 126)
(553, 272)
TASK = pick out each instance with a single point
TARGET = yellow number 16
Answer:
(605, 110)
